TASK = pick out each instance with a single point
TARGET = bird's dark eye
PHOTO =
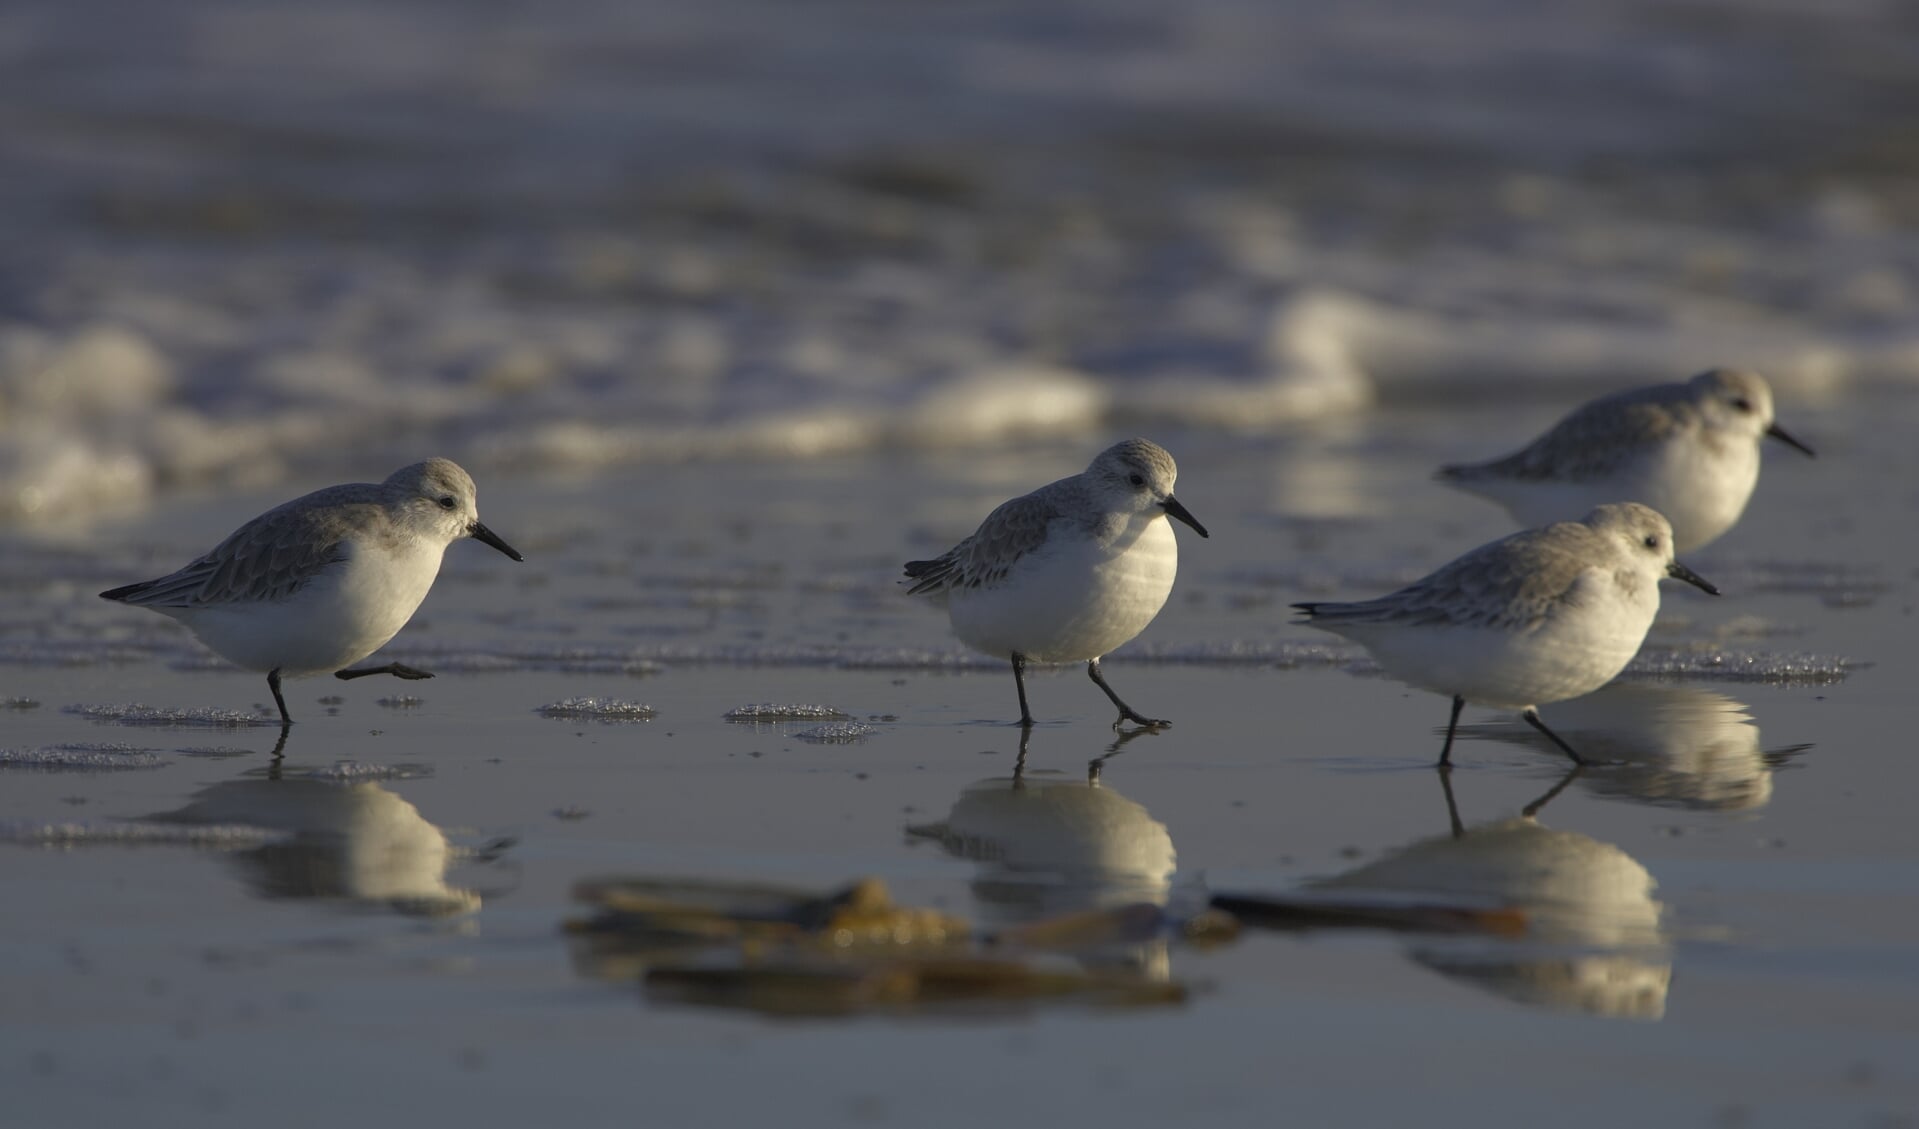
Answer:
(1136, 479)
(1652, 540)
(447, 502)
(1741, 404)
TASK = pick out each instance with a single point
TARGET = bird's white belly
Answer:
(1073, 601)
(338, 618)
(1559, 658)
(1701, 490)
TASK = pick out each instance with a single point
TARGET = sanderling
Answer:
(325, 580)
(1539, 616)
(1690, 451)
(1070, 571)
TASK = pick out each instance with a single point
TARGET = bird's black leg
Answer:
(1019, 681)
(1572, 774)
(1126, 712)
(397, 670)
(1532, 719)
(1452, 723)
(1098, 763)
(1019, 763)
(1452, 805)
(273, 684)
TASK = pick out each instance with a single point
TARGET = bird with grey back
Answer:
(1069, 571)
(1540, 616)
(1690, 451)
(323, 581)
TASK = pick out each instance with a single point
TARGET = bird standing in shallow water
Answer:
(323, 581)
(1070, 571)
(1690, 451)
(1537, 617)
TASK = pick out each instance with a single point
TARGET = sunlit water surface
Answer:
(1722, 917)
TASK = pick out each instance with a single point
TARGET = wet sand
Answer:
(372, 931)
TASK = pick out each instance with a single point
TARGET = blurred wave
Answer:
(252, 239)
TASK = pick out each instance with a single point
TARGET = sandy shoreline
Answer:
(420, 951)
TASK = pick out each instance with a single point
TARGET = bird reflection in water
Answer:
(354, 841)
(1047, 845)
(1664, 744)
(1593, 940)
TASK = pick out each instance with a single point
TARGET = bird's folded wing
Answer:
(268, 558)
(1510, 584)
(1010, 532)
(1590, 443)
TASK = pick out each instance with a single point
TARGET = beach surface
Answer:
(202, 934)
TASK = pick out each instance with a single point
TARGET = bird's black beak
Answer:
(1680, 572)
(1174, 509)
(486, 536)
(1779, 433)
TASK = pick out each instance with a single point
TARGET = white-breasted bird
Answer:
(1690, 451)
(1069, 571)
(1536, 617)
(321, 582)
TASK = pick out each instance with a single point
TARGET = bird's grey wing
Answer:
(1512, 583)
(1010, 532)
(1590, 443)
(268, 558)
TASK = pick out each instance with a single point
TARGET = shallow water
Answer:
(1722, 920)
